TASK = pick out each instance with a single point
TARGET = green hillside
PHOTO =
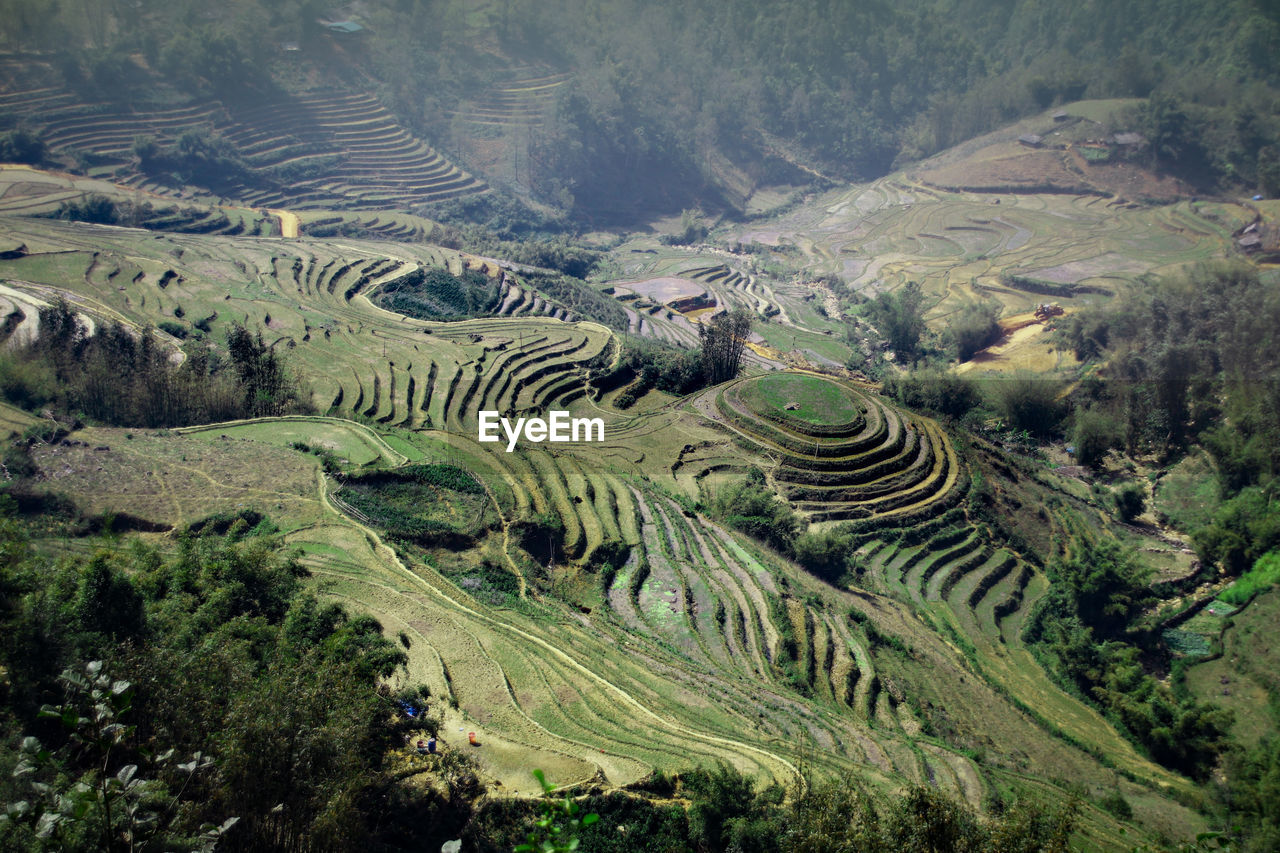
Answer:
(583, 619)
(915, 368)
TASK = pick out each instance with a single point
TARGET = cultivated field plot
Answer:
(677, 642)
(317, 149)
(29, 192)
(372, 225)
(1245, 674)
(1018, 248)
(350, 442)
(310, 298)
(163, 480)
(835, 452)
(667, 290)
(495, 127)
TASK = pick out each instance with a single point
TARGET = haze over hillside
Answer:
(885, 404)
(613, 112)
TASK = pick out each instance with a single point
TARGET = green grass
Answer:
(404, 447)
(352, 442)
(1246, 677)
(1264, 575)
(791, 339)
(1188, 494)
(802, 397)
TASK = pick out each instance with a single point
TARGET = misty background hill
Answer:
(614, 112)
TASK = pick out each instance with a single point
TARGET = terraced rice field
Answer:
(521, 99)
(322, 148)
(494, 128)
(25, 191)
(872, 461)
(1019, 249)
(673, 641)
(666, 292)
(310, 297)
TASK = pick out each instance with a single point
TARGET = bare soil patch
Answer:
(1033, 171)
(666, 289)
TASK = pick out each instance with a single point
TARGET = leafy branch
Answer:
(557, 830)
(124, 810)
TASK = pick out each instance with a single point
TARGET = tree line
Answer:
(124, 377)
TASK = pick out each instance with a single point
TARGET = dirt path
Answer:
(506, 538)
(288, 222)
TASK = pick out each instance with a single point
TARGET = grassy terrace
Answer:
(1013, 247)
(796, 397)
(861, 459)
(699, 646)
(314, 150)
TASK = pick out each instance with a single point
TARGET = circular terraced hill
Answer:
(841, 452)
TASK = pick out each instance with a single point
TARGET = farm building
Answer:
(1261, 240)
(1031, 140)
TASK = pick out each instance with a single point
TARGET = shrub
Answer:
(899, 316)
(94, 207)
(829, 554)
(21, 146)
(939, 391)
(1027, 401)
(756, 511)
(972, 328)
(178, 330)
(1130, 500)
(1094, 434)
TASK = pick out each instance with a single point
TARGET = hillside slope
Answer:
(597, 624)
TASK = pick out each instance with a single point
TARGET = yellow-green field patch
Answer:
(356, 444)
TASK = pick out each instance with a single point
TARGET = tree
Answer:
(557, 830)
(973, 327)
(1027, 401)
(900, 318)
(940, 391)
(1095, 433)
(1130, 500)
(1107, 584)
(267, 391)
(1174, 132)
(1269, 171)
(723, 340)
(111, 805)
(21, 146)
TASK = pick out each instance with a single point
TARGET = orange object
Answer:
(471, 738)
